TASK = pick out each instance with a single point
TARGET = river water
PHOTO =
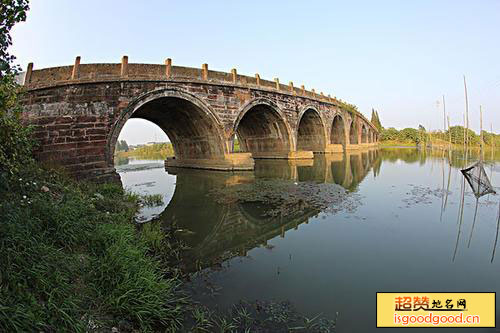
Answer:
(399, 231)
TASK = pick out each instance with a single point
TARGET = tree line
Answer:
(455, 134)
(418, 136)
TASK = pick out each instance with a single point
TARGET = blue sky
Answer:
(399, 57)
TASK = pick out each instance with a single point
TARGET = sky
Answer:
(399, 57)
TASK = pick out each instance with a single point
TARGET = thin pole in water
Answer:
(492, 140)
(449, 135)
(444, 115)
(466, 112)
(473, 223)
(464, 133)
(458, 237)
(481, 130)
(496, 237)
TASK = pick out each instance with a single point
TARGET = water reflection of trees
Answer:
(216, 231)
(456, 158)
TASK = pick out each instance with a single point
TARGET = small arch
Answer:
(262, 129)
(353, 133)
(310, 131)
(364, 134)
(337, 134)
(192, 127)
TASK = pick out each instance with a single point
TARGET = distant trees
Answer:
(457, 135)
(411, 135)
(121, 145)
(389, 134)
(155, 151)
(407, 135)
(421, 136)
(491, 138)
(376, 120)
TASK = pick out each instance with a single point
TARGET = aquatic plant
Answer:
(152, 199)
(257, 317)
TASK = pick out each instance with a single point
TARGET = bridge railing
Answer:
(84, 73)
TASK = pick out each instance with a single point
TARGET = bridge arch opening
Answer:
(364, 134)
(192, 130)
(262, 131)
(337, 134)
(353, 133)
(311, 132)
(141, 139)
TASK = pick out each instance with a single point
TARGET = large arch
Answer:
(337, 134)
(262, 130)
(193, 129)
(364, 134)
(311, 131)
(353, 133)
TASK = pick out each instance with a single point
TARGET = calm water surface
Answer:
(402, 236)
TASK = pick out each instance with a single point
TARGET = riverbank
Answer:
(435, 144)
(72, 259)
(158, 151)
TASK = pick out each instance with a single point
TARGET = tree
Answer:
(378, 120)
(457, 135)
(422, 134)
(410, 134)
(491, 138)
(389, 134)
(11, 12)
(15, 142)
(121, 145)
(375, 120)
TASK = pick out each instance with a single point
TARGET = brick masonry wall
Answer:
(78, 121)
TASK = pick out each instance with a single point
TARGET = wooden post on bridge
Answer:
(234, 73)
(29, 71)
(168, 69)
(124, 68)
(76, 69)
(204, 71)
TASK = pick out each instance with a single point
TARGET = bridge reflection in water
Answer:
(218, 231)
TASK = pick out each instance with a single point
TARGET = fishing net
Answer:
(478, 180)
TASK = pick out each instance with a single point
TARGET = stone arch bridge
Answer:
(79, 110)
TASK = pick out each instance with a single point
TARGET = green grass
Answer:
(152, 200)
(73, 260)
(158, 151)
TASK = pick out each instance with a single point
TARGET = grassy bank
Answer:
(158, 151)
(73, 261)
(397, 143)
(434, 143)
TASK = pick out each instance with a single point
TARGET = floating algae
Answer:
(138, 167)
(283, 198)
(423, 195)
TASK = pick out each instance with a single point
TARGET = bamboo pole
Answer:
(481, 131)
(466, 112)
(444, 114)
(496, 237)
(449, 133)
(464, 133)
(493, 139)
